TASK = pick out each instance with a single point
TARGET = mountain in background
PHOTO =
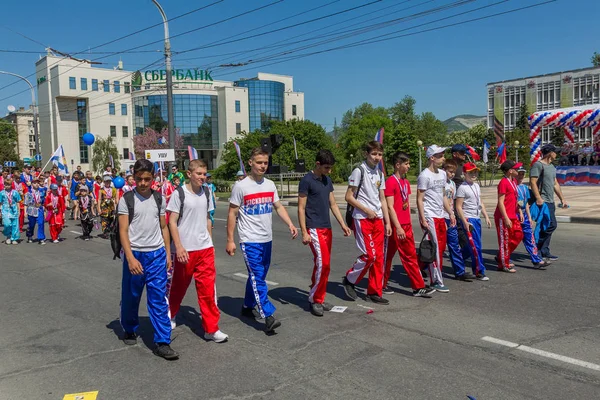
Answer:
(463, 122)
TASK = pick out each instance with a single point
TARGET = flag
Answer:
(131, 156)
(239, 154)
(498, 131)
(193, 153)
(112, 162)
(473, 153)
(58, 159)
(486, 150)
(501, 153)
(379, 138)
(162, 140)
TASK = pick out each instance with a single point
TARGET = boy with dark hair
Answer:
(34, 202)
(191, 232)
(315, 199)
(251, 205)
(365, 193)
(508, 221)
(146, 260)
(402, 240)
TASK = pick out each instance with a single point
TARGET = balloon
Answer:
(88, 139)
(119, 182)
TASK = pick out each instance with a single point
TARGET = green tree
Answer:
(101, 150)
(360, 126)
(596, 60)
(8, 143)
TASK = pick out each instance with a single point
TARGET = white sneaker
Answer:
(173, 323)
(218, 336)
(55, 241)
(8, 241)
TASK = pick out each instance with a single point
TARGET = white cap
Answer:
(434, 149)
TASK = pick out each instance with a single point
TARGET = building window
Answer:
(125, 153)
(238, 128)
(106, 85)
(95, 85)
(125, 131)
(139, 130)
(72, 83)
(237, 106)
(294, 109)
(111, 108)
(32, 153)
(83, 83)
(113, 131)
(123, 109)
(117, 87)
(127, 87)
(82, 127)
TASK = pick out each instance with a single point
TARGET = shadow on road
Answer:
(232, 306)
(144, 332)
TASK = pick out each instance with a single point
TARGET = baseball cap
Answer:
(470, 167)
(83, 187)
(434, 149)
(54, 186)
(460, 148)
(521, 169)
(239, 173)
(547, 148)
(510, 164)
(107, 178)
(208, 175)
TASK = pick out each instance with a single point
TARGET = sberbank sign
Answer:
(188, 75)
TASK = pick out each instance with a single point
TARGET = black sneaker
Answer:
(271, 323)
(349, 289)
(378, 300)
(327, 306)
(387, 290)
(465, 278)
(551, 257)
(130, 339)
(250, 313)
(542, 264)
(29, 240)
(165, 351)
(425, 292)
(316, 309)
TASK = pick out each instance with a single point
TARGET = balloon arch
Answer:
(566, 118)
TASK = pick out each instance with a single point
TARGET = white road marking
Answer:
(368, 308)
(220, 219)
(77, 233)
(245, 276)
(543, 353)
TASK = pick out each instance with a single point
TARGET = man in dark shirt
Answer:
(459, 154)
(315, 199)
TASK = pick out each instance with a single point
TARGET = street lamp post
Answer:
(35, 113)
(516, 151)
(171, 121)
(351, 156)
(420, 144)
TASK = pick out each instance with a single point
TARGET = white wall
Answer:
(287, 80)
(228, 117)
(297, 99)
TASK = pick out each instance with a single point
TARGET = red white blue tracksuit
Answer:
(369, 234)
(454, 249)
(320, 244)
(258, 261)
(528, 236)
(473, 248)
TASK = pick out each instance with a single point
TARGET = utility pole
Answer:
(35, 112)
(169, 68)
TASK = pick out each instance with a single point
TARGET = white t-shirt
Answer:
(433, 184)
(144, 230)
(255, 218)
(372, 183)
(472, 196)
(192, 227)
(450, 193)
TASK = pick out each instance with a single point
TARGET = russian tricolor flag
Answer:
(193, 153)
(379, 138)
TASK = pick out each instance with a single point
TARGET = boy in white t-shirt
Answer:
(365, 193)
(431, 204)
(468, 207)
(251, 204)
(191, 231)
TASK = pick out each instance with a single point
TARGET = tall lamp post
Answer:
(171, 121)
(516, 151)
(351, 156)
(35, 113)
(420, 144)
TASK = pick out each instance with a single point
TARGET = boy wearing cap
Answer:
(86, 205)
(523, 195)
(34, 202)
(431, 204)
(55, 205)
(9, 200)
(508, 216)
(468, 207)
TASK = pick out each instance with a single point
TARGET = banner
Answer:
(193, 153)
(578, 175)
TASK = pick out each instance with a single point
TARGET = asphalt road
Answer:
(59, 330)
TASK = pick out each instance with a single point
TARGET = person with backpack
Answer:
(315, 199)
(544, 185)
(144, 235)
(107, 204)
(190, 228)
(371, 223)
(251, 205)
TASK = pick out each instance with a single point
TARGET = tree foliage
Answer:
(8, 143)
(149, 141)
(596, 59)
(101, 150)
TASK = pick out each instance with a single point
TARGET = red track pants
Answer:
(201, 265)
(438, 232)
(21, 216)
(369, 234)
(408, 256)
(508, 240)
(320, 244)
(55, 230)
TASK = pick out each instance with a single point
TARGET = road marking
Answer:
(245, 276)
(220, 219)
(81, 396)
(77, 233)
(543, 353)
(368, 308)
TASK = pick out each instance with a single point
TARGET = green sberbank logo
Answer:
(136, 80)
(179, 75)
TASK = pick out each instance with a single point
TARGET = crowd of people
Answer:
(165, 227)
(575, 154)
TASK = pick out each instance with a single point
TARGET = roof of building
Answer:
(549, 74)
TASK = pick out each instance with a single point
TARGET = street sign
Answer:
(11, 164)
(38, 157)
(160, 155)
(28, 160)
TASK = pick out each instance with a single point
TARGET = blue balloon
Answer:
(88, 139)
(119, 182)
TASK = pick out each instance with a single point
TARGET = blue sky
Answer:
(444, 70)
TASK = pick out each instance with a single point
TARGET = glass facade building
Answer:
(265, 102)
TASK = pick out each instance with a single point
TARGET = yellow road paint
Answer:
(81, 396)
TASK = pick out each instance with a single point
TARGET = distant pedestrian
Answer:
(107, 205)
(9, 201)
(211, 186)
(86, 207)
(55, 208)
(34, 206)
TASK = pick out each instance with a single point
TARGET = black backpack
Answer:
(182, 197)
(115, 238)
(427, 249)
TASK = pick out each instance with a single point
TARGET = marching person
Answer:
(191, 233)
(9, 200)
(315, 199)
(251, 204)
(107, 205)
(85, 200)
(55, 206)
(506, 217)
(371, 225)
(34, 201)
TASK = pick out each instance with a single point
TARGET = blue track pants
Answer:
(473, 249)
(529, 240)
(456, 255)
(258, 260)
(39, 220)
